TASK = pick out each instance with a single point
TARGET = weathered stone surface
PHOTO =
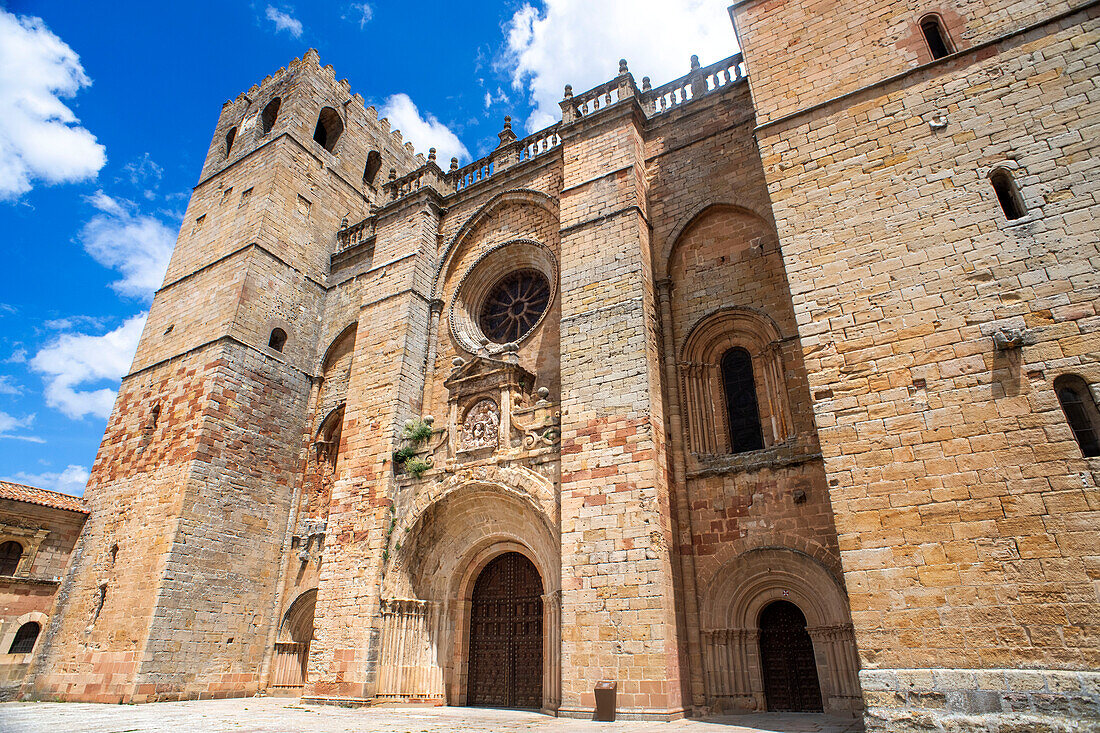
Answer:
(314, 519)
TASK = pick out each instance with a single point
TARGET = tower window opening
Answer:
(746, 433)
(1081, 412)
(329, 127)
(270, 114)
(374, 162)
(24, 640)
(277, 340)
(1007, 194)
(939, 45)
(154, 416)
(10, 554)
(230, 137)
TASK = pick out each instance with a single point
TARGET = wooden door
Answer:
(787, 660)
(506, 635)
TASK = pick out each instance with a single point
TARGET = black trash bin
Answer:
(605, 700)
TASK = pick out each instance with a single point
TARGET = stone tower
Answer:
(934, 174)
(173, 586)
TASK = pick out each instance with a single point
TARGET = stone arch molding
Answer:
(348, 331)
(699, 367)
(755, 578)
(297, 622)
(439, 549)
(518, 195)
(514, 481)
(730, 621)
(686, 222)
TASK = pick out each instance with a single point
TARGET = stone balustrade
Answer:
(355, 234)
(699, 82)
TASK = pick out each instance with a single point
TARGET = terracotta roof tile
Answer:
(19, 492)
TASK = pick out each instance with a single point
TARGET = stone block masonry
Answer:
(966, 514)
(780, 432)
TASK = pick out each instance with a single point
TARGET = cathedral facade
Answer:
(770, 388)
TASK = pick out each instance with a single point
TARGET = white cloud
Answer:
(7, 386)
(143, 173)
(500, 98)
(10, 423)
(75, 359)
(18, 356)
(70, 322)
(284, 21)
(579, 42)
(360, 13)
(136, 245)
(70, 481)
(39, 135)
(424, 132)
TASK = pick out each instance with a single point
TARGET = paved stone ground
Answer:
(282, 715)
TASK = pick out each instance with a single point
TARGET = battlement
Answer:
(305, 100)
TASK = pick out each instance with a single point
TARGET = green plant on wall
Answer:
(417, 466)
(416, 433)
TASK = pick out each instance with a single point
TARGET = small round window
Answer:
(514, 305)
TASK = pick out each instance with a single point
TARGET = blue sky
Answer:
(106, 112)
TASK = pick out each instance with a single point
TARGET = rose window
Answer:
(514, 305)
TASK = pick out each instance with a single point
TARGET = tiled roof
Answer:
(19, 492)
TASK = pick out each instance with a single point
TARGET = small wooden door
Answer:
(506, 635)
(289, 673)
(787, 660)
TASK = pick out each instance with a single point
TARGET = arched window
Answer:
(270, 114)
(23, 643)
(10, 555)
(1081, 412)
(374, 162)
(1012, 203)
(229, 138)
(939, 43)
(735, 394)
(329, 127)
(277, 340)
(741, 408)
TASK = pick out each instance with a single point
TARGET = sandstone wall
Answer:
(966, 513)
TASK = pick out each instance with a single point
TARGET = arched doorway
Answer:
(506, 635)
(787, 660)
(291, 657)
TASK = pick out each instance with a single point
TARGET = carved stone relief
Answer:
(481, 427)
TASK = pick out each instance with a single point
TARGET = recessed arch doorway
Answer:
(506, 615)
(787, 660)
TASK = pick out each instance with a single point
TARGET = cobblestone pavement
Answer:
(282, 715)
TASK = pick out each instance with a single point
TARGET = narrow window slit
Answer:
(270, 114)
(746, 433)
(1012, 204)
(939, 45)
(230, 137)
(1081, 412)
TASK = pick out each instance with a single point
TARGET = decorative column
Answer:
(551, 651)
(835, 647)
